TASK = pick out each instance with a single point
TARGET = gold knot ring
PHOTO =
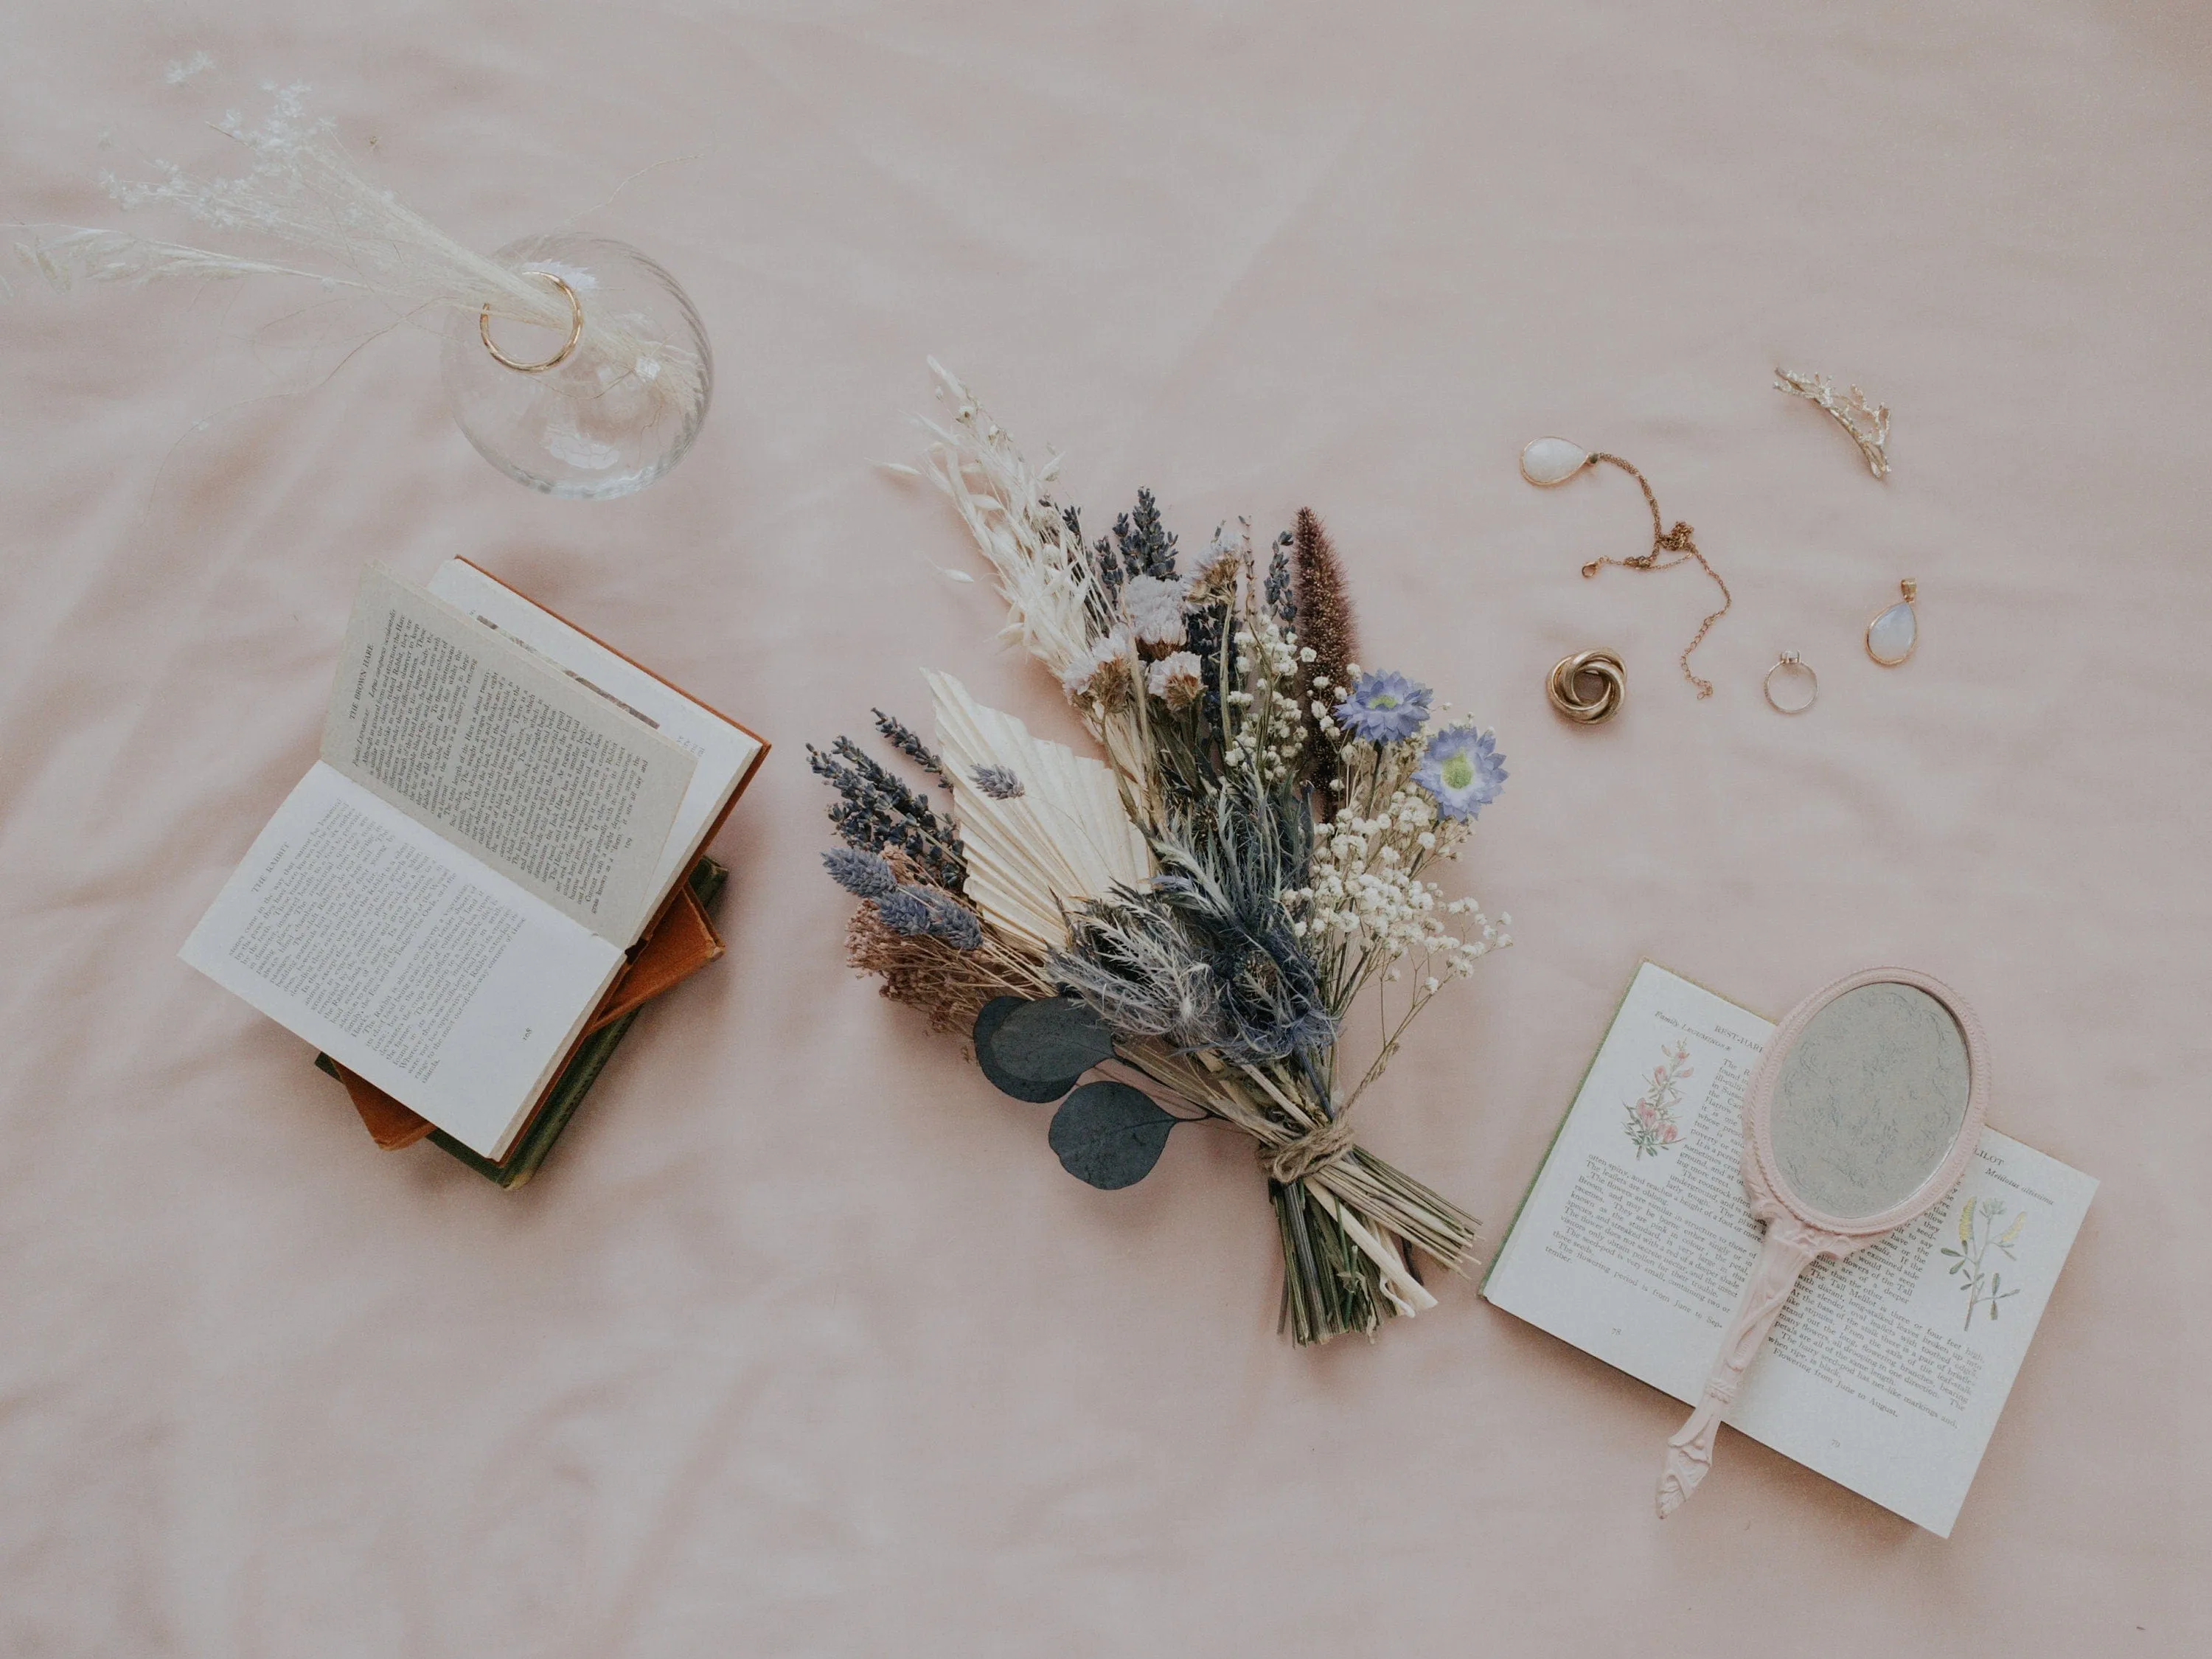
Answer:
(567, 351)
(1589, 687)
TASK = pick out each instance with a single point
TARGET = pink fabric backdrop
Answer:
(803, 1343)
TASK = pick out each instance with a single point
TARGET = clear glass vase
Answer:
(597, 403)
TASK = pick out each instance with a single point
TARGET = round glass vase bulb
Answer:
(615, 412)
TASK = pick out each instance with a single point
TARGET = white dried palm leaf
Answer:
(1031, 856)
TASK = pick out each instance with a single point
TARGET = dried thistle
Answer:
(1326, 626)
(1867, 424)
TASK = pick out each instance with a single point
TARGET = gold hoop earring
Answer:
(567, 350)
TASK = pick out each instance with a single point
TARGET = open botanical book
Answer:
(501, 807)
(1887, 1370)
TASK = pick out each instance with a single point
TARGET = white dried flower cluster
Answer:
(1177, 680)
(1213, 578)
(1365, 890)
(1100, 671)
(1323, 704)
(1267, 727)
(1153, 606)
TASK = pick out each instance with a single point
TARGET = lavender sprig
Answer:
(900, 737)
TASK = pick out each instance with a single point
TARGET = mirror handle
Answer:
(1789, 1250)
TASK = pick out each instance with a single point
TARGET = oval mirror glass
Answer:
(1869, 1101)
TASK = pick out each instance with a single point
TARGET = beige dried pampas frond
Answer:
(1052, 606)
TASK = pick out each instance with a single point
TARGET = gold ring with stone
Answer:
(1793, 666)
(1589, 687)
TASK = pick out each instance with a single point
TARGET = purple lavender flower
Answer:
(911, 911)
(863, 875)
(998, 782)
(955, 923)
(1383, 709)
(907, 911)
(1462, 770)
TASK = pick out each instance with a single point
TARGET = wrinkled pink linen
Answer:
(803, 1343)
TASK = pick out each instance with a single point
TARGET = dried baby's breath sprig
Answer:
(1867, 423)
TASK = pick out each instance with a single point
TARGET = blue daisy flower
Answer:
(1383, 709)
(1462, 770)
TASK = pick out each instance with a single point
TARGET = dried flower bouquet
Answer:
(1192, 919)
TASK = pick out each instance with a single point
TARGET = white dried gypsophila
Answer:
(1043, 572)
(1177, 681)
(303, 193)
(1153, 606)
(1266, 725)
(1364, 889)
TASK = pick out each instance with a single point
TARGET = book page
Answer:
(1887, 1370)
(725, 753)
(437, 979)
(504, 755)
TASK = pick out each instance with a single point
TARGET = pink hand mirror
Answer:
(1864, 1112)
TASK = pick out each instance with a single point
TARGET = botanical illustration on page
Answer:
(1978, 1218)
(1651, 1123)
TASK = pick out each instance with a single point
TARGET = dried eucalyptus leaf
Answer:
(1110, 1134)
(1053, 1037)
(1038, 1092)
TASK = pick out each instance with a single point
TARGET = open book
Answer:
(1887, 1370)
(501, 807)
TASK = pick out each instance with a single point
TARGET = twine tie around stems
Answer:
(1326, 1142)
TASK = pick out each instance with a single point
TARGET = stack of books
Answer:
(496, 862)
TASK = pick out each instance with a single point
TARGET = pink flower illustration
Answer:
(1651, 1120)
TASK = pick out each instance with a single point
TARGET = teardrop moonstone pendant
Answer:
(1892, 636)
(1548, 461)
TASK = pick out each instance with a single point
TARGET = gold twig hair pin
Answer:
(1867, 424)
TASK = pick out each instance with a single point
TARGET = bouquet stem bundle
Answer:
(1195, 913)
